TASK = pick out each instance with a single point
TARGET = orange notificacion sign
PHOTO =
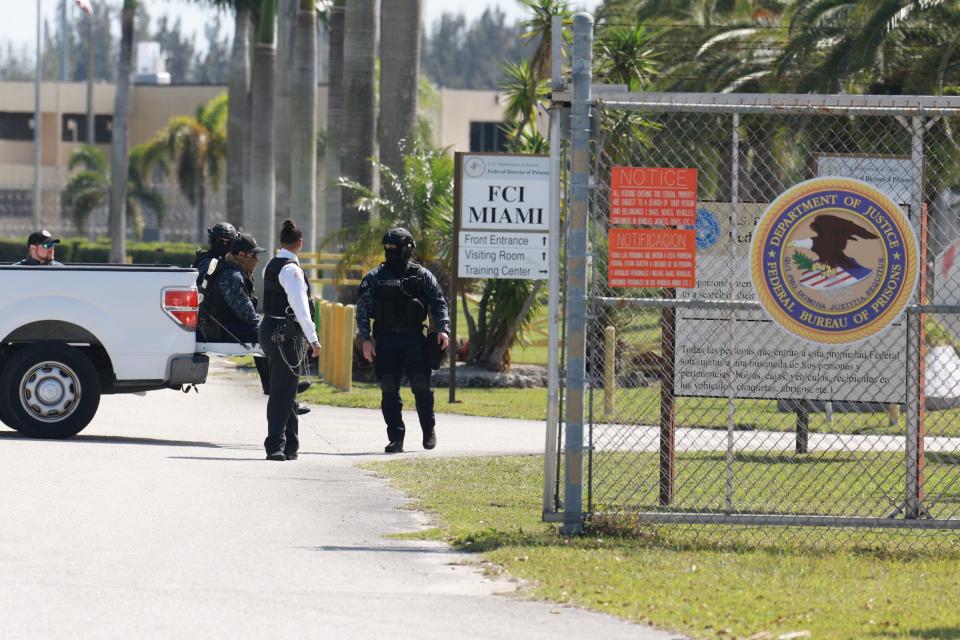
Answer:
(654, 196)
(642, 258)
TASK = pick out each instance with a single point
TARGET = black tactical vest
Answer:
(275, 302)
(398, 305)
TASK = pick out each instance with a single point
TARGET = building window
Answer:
(487, 137)
(16, 126)
(73, 128)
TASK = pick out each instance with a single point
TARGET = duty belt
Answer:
(404, 329)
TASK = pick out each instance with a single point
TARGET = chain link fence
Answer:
(701, 409)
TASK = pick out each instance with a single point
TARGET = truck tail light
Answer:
(182, 304)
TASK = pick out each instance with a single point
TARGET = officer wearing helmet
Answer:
(219, 238)
(398, 296)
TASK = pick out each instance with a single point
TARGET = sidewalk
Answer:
(163, 520)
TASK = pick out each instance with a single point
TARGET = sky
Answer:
(19, 25)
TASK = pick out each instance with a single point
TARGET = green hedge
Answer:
(78, 250)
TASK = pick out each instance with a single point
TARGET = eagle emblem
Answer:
(832, 268)
(834, 260)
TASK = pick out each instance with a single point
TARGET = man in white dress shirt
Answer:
(287, 319)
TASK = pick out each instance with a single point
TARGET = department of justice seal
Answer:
(834, 260)
(708, 229)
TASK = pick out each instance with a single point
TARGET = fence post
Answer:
(338, 342)
(609, 370)
(577, 272)
(668, 403)
(553, 301)
(803, 427)
(914, 489)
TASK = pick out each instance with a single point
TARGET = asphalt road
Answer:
(162, 520)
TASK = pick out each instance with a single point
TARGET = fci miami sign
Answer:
(834, 260)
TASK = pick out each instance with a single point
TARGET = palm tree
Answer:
(538, 29)
(238, 117)
(118, 153)
(89, 188)
(197, 145)
(358, 119)
(525, 94)
(282, 93)
(846, 44)
(303, 174)
(246, 14)
(262, 179)
(419, 197)
(335, 26)
(399, 78)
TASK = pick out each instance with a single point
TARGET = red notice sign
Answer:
(651, 195)
(641, 258)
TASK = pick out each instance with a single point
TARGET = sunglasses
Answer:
(48, 245)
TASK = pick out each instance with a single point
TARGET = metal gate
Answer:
(697, 409)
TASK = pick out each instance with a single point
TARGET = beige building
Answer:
(464, 121)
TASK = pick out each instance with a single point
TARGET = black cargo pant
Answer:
(399, 354)
(282, 424)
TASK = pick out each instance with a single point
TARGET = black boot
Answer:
(395, 446)
(429, 438)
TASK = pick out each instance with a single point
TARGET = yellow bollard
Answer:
(328, 334)
(349, 322)
(609, 370)
(325, 333)
(893, 413)
(337, 340)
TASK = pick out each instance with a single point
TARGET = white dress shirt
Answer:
(294, 283)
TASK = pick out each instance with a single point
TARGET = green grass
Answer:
(717, 583)
(527, 404)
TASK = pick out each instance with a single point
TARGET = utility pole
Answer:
(91, 122)
(37, 190)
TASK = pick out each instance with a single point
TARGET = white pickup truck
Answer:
(69, 334)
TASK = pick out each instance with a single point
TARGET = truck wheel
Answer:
(49, 391)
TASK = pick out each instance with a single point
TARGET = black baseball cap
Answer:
(42, 237)
(245, 242)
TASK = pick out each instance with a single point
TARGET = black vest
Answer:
(399, 303)
(275, 302)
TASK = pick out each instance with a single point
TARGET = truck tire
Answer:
(49, 390)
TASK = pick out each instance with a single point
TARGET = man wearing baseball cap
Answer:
(229, 308)
(40, 249)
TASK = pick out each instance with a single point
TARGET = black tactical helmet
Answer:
(403, 239)
(222, 231)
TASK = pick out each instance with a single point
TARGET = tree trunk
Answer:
(334, 109)
(471, 323)
(499, 351)
(358, 119)
(201, 205)
(262, 178)
(282, 121)
(303, 174)
(238, 117)
(399, 79)
(118, 149)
